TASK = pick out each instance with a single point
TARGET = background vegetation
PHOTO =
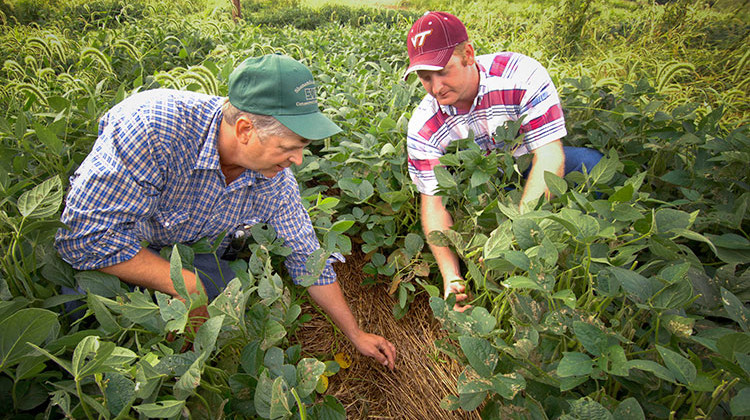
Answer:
(623, 296)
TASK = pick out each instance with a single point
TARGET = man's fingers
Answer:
(459, 308)
(388, 351)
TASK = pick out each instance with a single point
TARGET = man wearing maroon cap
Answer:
(476, 94)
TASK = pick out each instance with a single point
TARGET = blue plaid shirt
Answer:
(153, 175)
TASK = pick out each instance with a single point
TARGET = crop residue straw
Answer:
(423, 375)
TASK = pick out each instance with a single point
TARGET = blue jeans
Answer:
(577, 157)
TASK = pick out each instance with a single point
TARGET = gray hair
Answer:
(265, 124)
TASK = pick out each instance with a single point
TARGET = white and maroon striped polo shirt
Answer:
(511, 85)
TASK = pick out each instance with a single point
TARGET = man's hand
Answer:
(377, 347)
(196, 318)
(455, 286)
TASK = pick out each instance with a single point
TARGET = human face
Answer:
(272, 154)
(455, 84)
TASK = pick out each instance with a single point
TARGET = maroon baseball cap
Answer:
(432, 39)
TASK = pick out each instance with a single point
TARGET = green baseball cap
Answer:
(282, 87)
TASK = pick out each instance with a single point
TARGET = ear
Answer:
(243, 129)
(470, 57)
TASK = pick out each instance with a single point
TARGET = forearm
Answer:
(149, 270)
(331, 299)
(548, 158)
(435, 217)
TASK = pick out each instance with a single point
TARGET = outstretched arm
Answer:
(435, 217)
(330, 298)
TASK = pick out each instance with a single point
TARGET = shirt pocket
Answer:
(171, 220)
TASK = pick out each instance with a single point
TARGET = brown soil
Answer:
(423, 375)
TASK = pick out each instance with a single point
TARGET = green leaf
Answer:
(588, 409)
(120, 393)
(342, 226)
(633, 283)
(508, 385)
(669, 219)
(593, 339)
(270, 288)
(90, 357)
(732, 343)
(272, 334)
(555, 184)
(161, 410)
(629, 409)
(471, 401)
(575, 364)
(189, 380)
(308, 372)
(175, 273)
(526, 232)
(330, 409)
(107, 321)
(173, 312)
(614, 361)
(735, 309)
(99, 283)
(499, 241)
(449, 403)
(650, 366)
(205, 339)
(43, 200)
(251, 358)
(444, 178)
(518, 259)
(484, 323)
(48, 138)
(479, 177)
(280, 397)
(359, 189)
(482, 356)
(674, 296)
(262, 397)
(567, 296)
(413, 243)
(682, 369)
(622, 195)
(740, 404)
(30, 325)
(522, 282)
(141, 309)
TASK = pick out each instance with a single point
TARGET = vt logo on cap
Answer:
(418, 39)
(432, 39)
(283, 88)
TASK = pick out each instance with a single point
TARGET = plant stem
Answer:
(80, 397)
(302, 408)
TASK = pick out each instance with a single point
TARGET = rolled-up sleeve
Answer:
(117, 185)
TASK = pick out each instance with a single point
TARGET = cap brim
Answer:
(434, 60)
(313, 126)
(418, 67)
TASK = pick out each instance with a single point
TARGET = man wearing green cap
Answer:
(175, 167)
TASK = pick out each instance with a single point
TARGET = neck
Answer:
(465, 105)
(227, 149)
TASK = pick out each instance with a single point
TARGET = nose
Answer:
(437, 84)
(296, 157)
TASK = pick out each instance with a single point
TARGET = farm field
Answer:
(625, 295)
